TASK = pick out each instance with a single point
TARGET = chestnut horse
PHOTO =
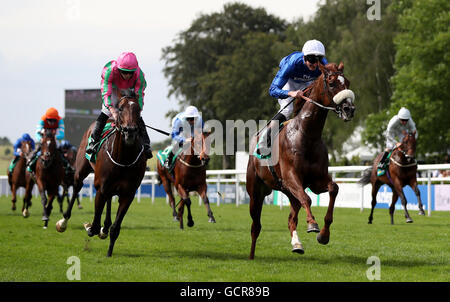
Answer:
(302, 157)
(49, 174)
(119, 169)
(401, 171)
(18, 178)
(189, 175)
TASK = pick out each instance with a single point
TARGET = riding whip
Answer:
(291, 100)
(159, 130)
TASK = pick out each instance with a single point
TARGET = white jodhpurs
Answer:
(290, 86)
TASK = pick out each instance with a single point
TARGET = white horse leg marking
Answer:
(295, 239)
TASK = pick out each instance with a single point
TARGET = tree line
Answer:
(225, 61)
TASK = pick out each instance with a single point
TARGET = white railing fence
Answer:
(237, 177)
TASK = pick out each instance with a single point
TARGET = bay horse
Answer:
(401, 171)
(18, 178)
(189, 175)
(67, 182)
(118, 170)
(49, 173)
(302, 157)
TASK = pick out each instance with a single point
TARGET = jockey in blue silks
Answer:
(191, 119)
(297, 71)
(18, 150)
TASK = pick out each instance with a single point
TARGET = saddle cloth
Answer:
(107, 130)
(163, 154)
(382, 171)
(261, 137)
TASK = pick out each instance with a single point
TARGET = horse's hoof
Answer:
(212, 220)
(298, 248)
(190, 223)
(61, 225)
(175, 218)
(322, 239)
(102, 235)
(80, 207)
(370, 222)
(25, 213)
(409, 220)
(313, 227)
(88, 228)
(421, 213)
(13, 208)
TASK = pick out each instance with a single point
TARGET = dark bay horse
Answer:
(49, 173)
(18, 178)
(189, 175)
(302, 157)
(402, 171)
(70, 155)
(119, 169)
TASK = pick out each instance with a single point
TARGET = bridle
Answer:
(407, 156)
(337, 109)
(118, 128)
(204, 161)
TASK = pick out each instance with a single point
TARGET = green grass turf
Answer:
(151, 247)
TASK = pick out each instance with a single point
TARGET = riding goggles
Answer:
(313, 59)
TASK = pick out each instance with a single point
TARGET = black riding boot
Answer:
(383, 160)
(31, 163)
(266, 139)
(97, 133)
(145, 138)
(169, 160)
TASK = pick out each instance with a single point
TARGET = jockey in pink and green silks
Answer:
(121, 74)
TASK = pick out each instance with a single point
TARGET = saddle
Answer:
(261, 137)
(107, 131)
(382, 171)
(163, 154)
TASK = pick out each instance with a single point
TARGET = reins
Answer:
(118, 128)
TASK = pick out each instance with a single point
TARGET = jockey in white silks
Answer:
(189, 119)
(395, 132)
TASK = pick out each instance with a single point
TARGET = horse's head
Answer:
(195, 148)
(335, 86)
(25, 147)
(408, 146)
(129, 113)
(48, 147)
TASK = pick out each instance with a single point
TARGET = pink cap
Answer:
(127, 61)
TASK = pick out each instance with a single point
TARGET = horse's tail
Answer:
(365, 179)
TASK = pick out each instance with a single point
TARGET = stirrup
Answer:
(91, 147)
(167, 164)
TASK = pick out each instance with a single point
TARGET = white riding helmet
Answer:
(404, 114)
(313, 47)
(191, 111)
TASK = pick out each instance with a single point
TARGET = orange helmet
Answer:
(51, 113)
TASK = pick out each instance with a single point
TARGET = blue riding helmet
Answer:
(26, 137)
